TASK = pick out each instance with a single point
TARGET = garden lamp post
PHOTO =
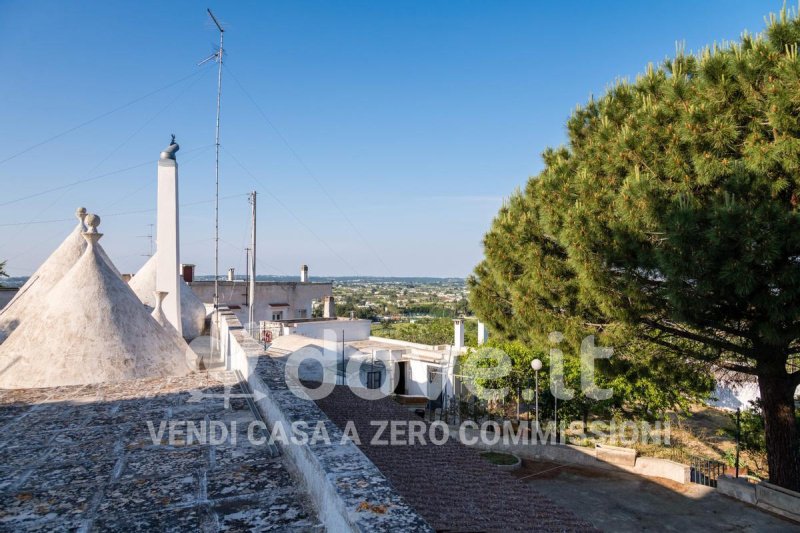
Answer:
(536, 365)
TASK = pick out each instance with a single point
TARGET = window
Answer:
(277, 315)
(374, 379)
(303, 313)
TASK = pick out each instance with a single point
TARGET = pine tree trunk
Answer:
(782, 436)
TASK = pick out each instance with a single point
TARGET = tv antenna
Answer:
(217, 56)
(148, 236)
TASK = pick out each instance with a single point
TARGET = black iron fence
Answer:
(704, 471)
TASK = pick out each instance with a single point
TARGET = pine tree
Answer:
(524, 292)
(671, 220)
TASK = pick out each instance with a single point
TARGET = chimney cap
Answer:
(169, 151)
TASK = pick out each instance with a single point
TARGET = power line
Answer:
(115, 150)
(259, 262)
(123, 213)
(96, 118)
(308, 170)
(85, 180)
(286, 208)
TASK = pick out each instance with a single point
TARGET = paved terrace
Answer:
(625, 503)
(82, 458)
(450, 485)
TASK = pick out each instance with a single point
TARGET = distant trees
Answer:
(669, 227)
(426, 331)
(439, 310)
(3, 271)
(344, 310)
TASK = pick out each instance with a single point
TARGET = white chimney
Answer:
(328, 307)
(483, 333)
(304, 274)
(458, 333)
(231, 274)
(168, 235)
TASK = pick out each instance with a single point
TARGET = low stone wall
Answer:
(738, 488)
(765, 495)
(348, 490)
(578, 455)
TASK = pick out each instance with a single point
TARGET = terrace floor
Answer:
(450, 485)
(84, 459)
(620, 501)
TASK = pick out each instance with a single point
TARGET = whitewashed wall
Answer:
(298, 295)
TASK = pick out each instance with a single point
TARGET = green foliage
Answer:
(344, 310)
(638, 386)
(669, 227)
(426, 331)
(751, 437)
(752, 434)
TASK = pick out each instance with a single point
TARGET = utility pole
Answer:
(252, 272)
(247, 277)
(218, 57)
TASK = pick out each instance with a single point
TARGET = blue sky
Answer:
(393, 130)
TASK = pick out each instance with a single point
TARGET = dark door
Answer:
(401, 382)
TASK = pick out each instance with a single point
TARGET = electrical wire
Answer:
(308, 170)
(98, 117)
(286, 208)
(114, 151)
(93, 178)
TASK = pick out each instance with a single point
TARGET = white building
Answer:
(274, 300)
(345, 348)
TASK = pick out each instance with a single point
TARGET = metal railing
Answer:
(703, 471)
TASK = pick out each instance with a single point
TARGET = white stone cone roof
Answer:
(32, 296)
(193, 312)
(93, 329)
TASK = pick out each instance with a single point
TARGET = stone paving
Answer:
(623, 502)
(450, 485)
(84, 459)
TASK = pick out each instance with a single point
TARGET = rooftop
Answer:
(84, 458)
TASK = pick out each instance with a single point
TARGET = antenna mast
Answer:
(149, 236)
(251, 302)
(218, 57)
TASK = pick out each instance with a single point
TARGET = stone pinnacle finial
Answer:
(169, 151)
(158, 310)
(80, 213)
(92, 221)
(91, 234)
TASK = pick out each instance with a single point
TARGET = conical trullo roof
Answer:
(193, 312)
(92, 329)
(31, 297)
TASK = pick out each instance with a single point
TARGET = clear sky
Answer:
(383, 138)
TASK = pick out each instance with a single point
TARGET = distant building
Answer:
(274, 300)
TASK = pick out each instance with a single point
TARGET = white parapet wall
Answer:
(341, 329)
(337, 475)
